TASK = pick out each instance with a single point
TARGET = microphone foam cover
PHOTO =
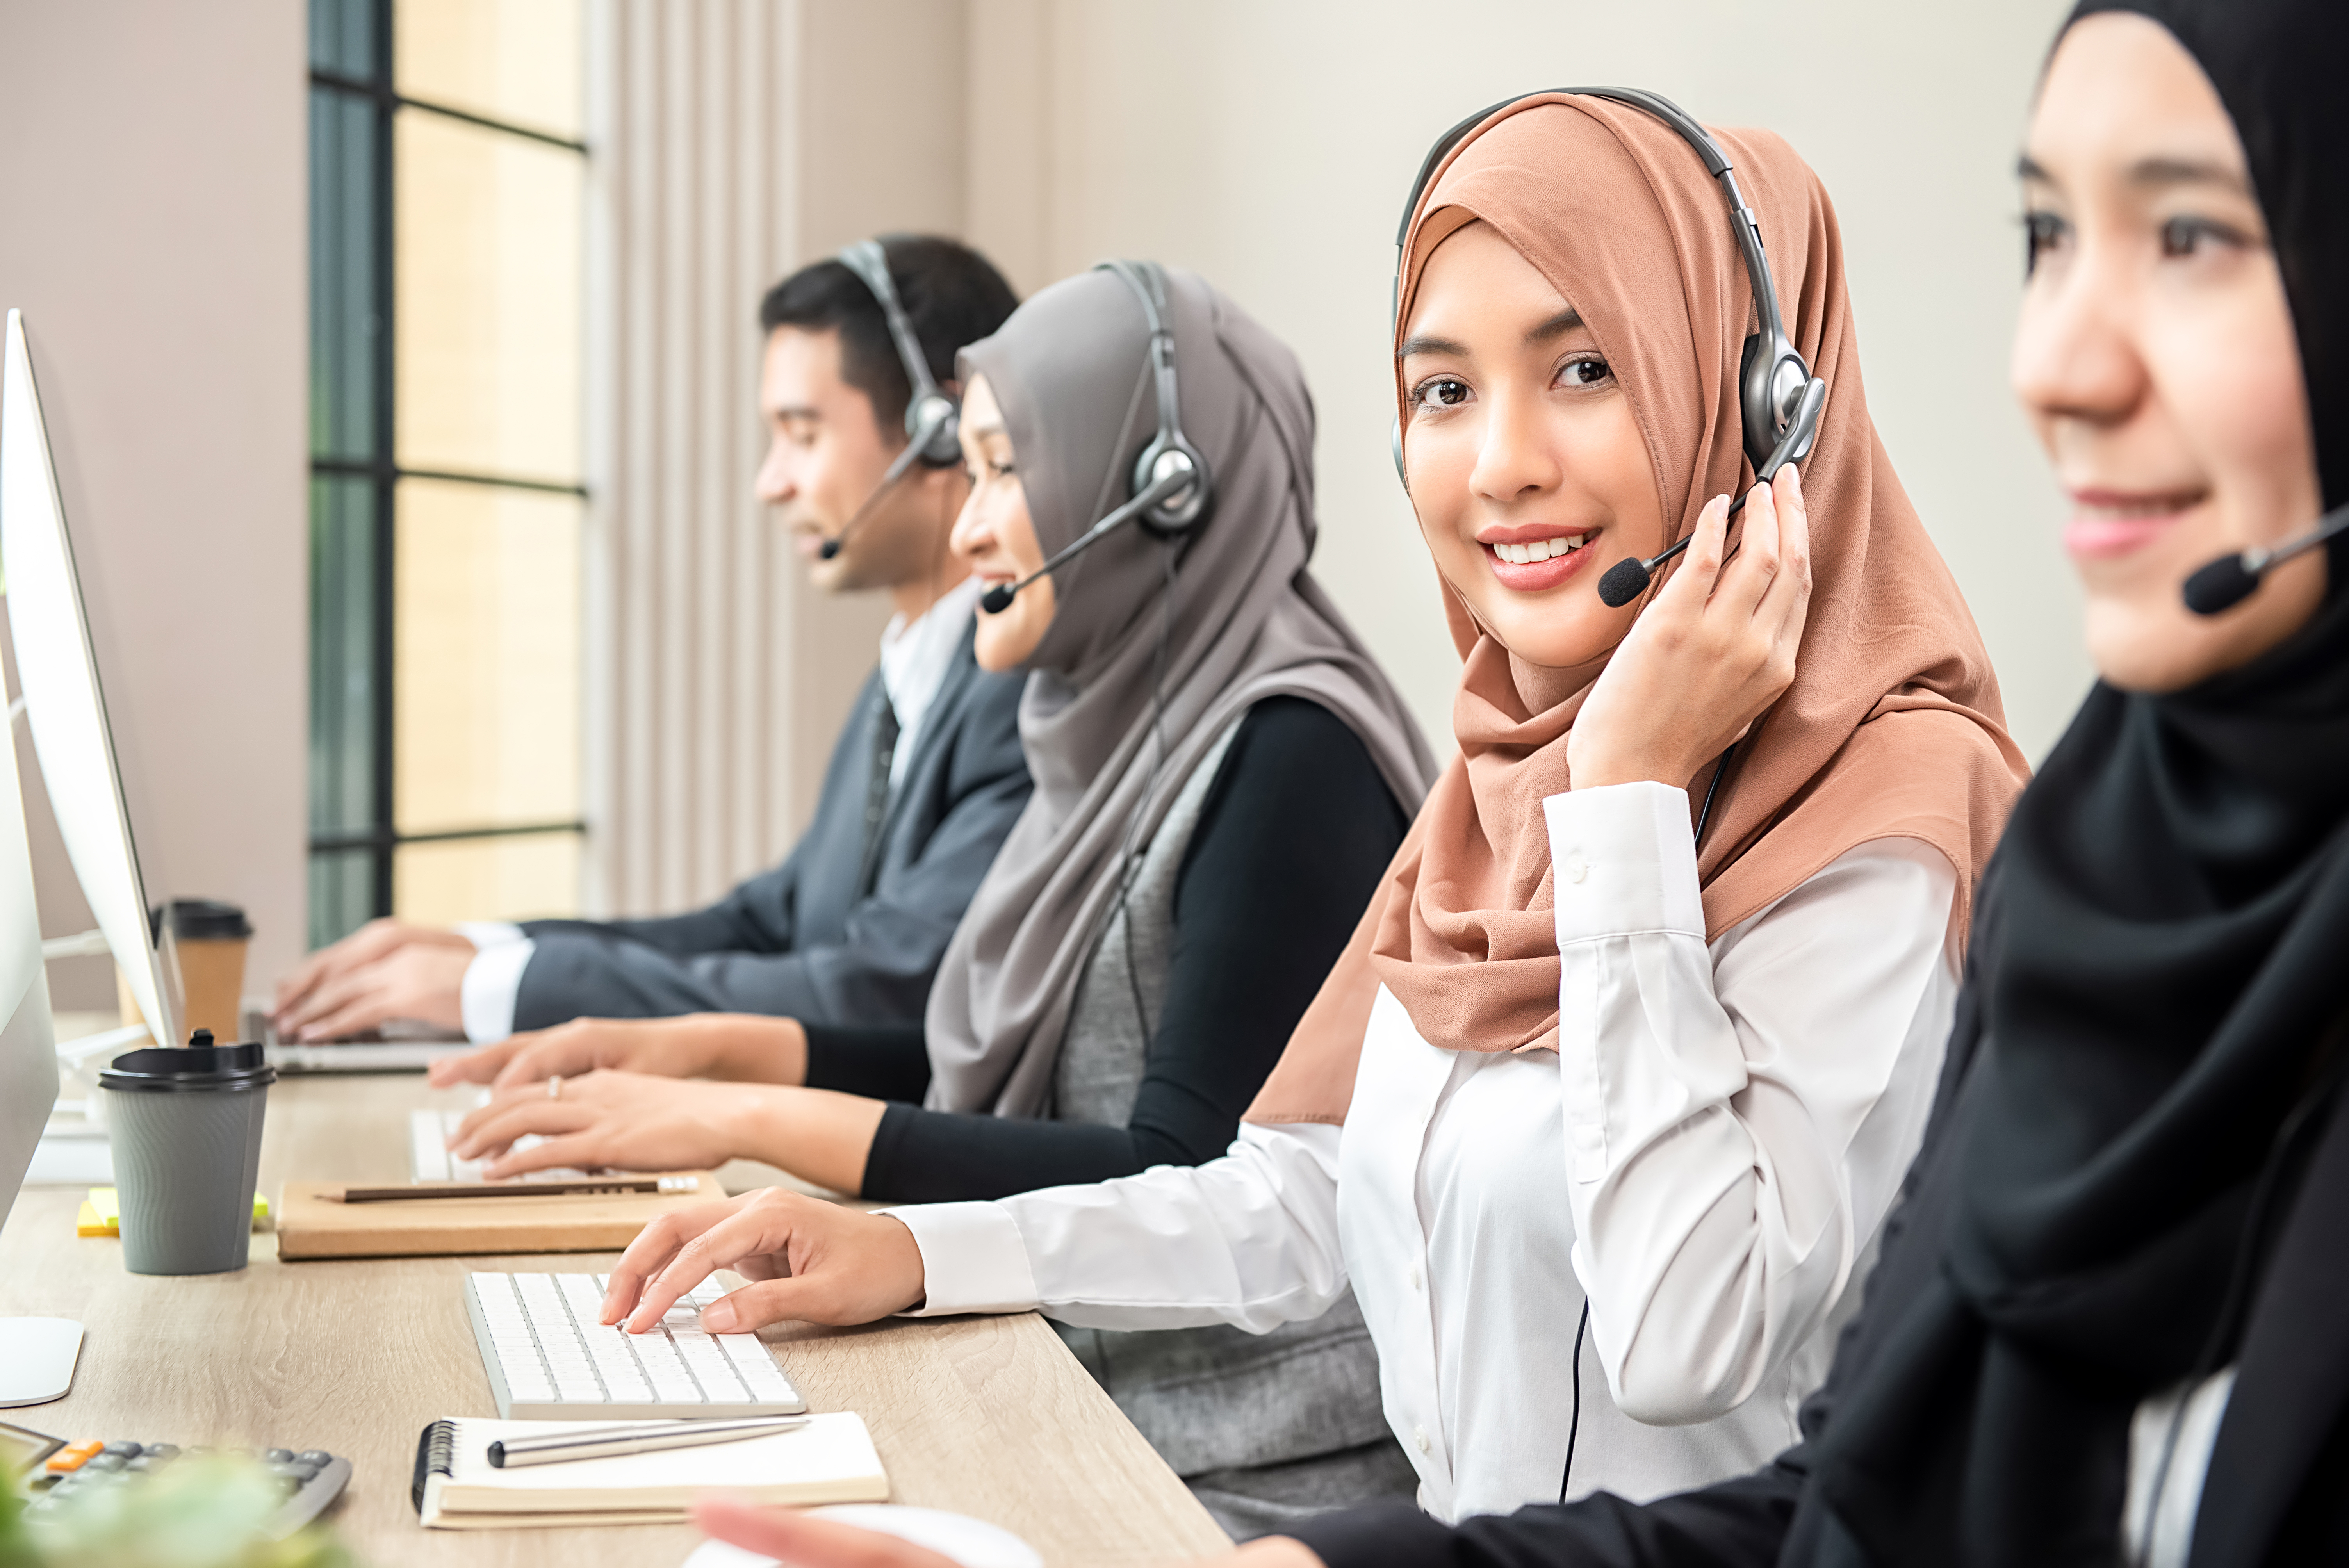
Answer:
(996, 600)
(2220, 586)
(1625, 580)
(828, 549)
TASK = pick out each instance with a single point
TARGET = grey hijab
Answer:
(1248, 621)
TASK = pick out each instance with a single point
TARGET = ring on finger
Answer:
(554, 1086)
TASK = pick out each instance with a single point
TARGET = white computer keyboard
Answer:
(549, 1359)
(429, 1132)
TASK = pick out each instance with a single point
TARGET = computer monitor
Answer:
(63, 700)
(36, 1353)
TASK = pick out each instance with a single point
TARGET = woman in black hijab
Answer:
(2111, 1325)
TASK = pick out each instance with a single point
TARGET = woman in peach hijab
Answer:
(1602, 1110)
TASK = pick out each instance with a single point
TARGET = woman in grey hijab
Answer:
(1155, 645)
(1221, 774)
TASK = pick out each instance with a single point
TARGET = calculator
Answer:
(59, 1469)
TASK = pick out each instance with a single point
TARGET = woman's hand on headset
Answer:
(1710, 653)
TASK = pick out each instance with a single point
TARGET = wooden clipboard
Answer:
(313, 1221)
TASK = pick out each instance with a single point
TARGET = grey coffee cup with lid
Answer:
(186, 1124)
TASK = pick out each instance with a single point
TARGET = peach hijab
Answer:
(1893, 727)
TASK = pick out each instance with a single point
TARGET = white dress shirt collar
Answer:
(915, 658)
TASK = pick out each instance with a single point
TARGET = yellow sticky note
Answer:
(101, 1212)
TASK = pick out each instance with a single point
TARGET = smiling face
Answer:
(1526, 465)
(2156, 357)
(826, 452)
(994, 538)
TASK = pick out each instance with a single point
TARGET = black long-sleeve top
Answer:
(1291, 841)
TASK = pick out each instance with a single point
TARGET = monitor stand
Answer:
(37, 1358)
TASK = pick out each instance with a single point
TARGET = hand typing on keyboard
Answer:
(613, 1122)
(549, 1357)
(701, 1044)
(811, 1261)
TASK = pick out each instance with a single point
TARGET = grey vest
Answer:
(1209, 1399)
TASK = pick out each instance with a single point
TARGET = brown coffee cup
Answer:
(210, 938)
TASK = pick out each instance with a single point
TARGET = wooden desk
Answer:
(987, 1416)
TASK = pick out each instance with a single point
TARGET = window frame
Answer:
(381, 839)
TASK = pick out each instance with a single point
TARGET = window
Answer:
(447, 183)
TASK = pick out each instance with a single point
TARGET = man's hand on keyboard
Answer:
(609, 1120)
(385, 970)
(702, 1045)
(814, 1261)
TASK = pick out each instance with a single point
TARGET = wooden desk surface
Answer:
(986, 1415)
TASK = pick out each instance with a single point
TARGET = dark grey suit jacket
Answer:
(811, 939)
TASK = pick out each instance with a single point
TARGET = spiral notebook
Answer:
(830, 1459)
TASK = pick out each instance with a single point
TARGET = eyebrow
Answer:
(1564, 322)
(2152, 173)
(793, 411)
(1559, 325)
(2156, 172)
(1424, 343)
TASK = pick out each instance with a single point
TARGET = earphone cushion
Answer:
(1190, 508)
(946, 448)
(1755, 415)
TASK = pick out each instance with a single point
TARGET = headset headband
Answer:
(1773, 379)
(1169, 452)
(929, 413)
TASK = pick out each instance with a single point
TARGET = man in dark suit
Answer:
(923, 783)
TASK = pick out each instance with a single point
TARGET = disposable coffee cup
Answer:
(187, 1152)
(210, 938)
(207, 946)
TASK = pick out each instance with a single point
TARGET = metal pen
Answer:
(582, 1187)
(633, 1438)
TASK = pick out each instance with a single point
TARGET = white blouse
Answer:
(1728, 1125)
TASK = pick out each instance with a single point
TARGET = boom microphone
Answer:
(2232, 579)
(916, 445)
(1177, 478)
(1628, 578)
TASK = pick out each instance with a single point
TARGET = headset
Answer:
(1779, 399)
(1170, 488)
(932, 418)
(2225, 583)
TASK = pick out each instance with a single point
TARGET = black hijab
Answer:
(2164, 943)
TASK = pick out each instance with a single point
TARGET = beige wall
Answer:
(1270, 146)
(151, 202)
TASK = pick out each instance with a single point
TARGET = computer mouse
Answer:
(973, 1543)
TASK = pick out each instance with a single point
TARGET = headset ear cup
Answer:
(945, 449)
(1755, 423)
(1395, 444)
(941, 415)
(1188, 509)
(1766, 416)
